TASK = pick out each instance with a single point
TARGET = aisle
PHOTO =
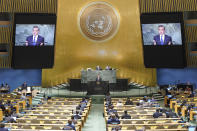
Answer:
(95, 120)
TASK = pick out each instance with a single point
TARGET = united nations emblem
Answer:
(98, 21)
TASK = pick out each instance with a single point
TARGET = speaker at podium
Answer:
(97, 87)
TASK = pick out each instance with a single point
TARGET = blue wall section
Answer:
(170, 76)
(16, 77)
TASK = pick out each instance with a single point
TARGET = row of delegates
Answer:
(5, 86)
(167, 113)
(2, 127)
(119, 103)
(113, 119)
(73, 121)
(82, 105)
(69, 126)
(3, 107)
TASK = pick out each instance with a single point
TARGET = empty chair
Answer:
(135, 117)
(39, 127)
(172, 126)
(36, 112)
(47, 122)
(66, 103)
(132, 112)
(62, 117)
(58, 103)
(57, 113)
(59, 122)
(131, 128)
(149, 117)
(26, 127)
(40, 117)
(52, 117)
(61, 99)
(49, 102)
(143, 112)
(55, 128)
(147, 127)
(168, 121)
(151, 122)
(60, 110)
(21, 121)
(160, 127)
(127, 122)
(139, 122)
(35, 121)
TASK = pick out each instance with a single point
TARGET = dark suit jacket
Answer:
(166, 41)
(98, 80)
(3, 129)
(113, 121)
(126, 116)
(40, 40)
(157, 115)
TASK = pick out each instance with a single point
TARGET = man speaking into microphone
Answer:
(35, 39)
(98, 79)
(162, 38)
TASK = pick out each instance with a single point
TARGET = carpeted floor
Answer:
(95, 120)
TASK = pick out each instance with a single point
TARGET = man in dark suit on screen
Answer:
(162, 38)
(35, 39)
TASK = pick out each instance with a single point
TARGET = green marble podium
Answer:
(91, 75)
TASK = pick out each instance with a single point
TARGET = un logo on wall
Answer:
(98, 21)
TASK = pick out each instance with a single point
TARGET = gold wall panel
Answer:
(20, 6)
(74, 52)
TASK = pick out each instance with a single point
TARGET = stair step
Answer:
(156, 94)
(38, 97)
(39, 94)
(160, 99)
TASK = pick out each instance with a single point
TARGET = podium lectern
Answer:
(97, 88)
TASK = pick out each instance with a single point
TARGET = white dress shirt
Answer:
(163, 37)
(35, 37)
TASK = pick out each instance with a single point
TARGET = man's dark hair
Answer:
(161, 26)
(125, 112)
(36, 27)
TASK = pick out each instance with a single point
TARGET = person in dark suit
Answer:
(113, 120)
(77, 116)
(98, 78)
(162, 38)
(157, 114)
(69, 126)
(35, 39)
(24, 86)
(126, 115)
(98, 67)
(128, 102)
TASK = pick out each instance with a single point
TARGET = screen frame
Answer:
(164, 17)
(33, 18)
